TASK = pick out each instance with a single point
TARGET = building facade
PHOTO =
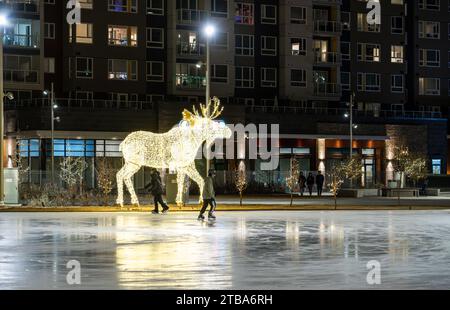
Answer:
(131, 64)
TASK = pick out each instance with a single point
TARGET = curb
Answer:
(226, 208)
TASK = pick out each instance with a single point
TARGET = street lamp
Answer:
(352, 126)
(209, 31)
(3, 23)
(53, 107)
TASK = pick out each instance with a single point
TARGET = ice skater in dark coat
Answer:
(155, 188)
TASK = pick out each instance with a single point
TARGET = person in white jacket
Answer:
(209, 197)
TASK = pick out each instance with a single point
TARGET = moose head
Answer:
(204, 123)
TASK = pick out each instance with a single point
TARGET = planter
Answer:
(358, 192)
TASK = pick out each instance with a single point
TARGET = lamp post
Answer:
(209, 33)
(3, 23)
(352, 126)
(352, 97)
(53, 106)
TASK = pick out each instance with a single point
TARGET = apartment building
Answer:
(429, 37)
(290, 52)
(24, 61)
(130, 64)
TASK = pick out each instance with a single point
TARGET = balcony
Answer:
(21, 76)
(190, 82)
(327, 90)
(327, 58)
(190, 49)
(24, 6)
(191, 17)
(88, 104)
(20, 40)
(327, 27)
(338, 112)
(330, 2)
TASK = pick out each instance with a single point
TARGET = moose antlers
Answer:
(206, 109)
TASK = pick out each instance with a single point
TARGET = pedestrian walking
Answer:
(310, 182)
(302, 183)
(155, 188)
(209, 197)
(320, 180)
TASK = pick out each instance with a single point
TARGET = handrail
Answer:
(26, 6)
(21, 76)
(21, 40)
(341, 112)
(115, 104)
(80, 103)
(188, 17)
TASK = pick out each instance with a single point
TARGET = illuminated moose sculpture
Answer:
(175, 150)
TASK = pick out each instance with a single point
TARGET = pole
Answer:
(52, 104)
(208, 96)
(2, 96)
(351, 131)
(351, 126)
(208, 68)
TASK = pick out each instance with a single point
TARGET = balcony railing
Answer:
(191, 17)
(340, 112)
(190, 82)
(326, 26)
(336, 2)
(327, 57)
(190, 49)
(116, 104)
(25, 6)
(122, 42)
(21, 76)
(327, 89)
(68, 103)
(20, 40)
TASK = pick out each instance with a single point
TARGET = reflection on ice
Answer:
(254, 250)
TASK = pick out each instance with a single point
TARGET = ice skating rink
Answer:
(242, 250)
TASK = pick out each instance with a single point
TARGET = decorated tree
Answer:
(400, 162)
(416, 169)
(353, 168)
(347, 170)
(409, 164)
(292, 179)
(72, 172)
(106, 176)
(241, 180)
(336, 176)
(17, 162)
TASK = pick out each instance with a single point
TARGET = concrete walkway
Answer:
(328, 200)
(271, 202)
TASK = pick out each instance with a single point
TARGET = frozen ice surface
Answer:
(242, 250)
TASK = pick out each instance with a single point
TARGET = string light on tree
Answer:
(105, 177)
(175, 150)
(292, 179)
(241, 180)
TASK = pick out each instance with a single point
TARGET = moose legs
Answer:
(181, 179)
(124, 175)
(192, 172)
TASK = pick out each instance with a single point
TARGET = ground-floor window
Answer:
(436, 166)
